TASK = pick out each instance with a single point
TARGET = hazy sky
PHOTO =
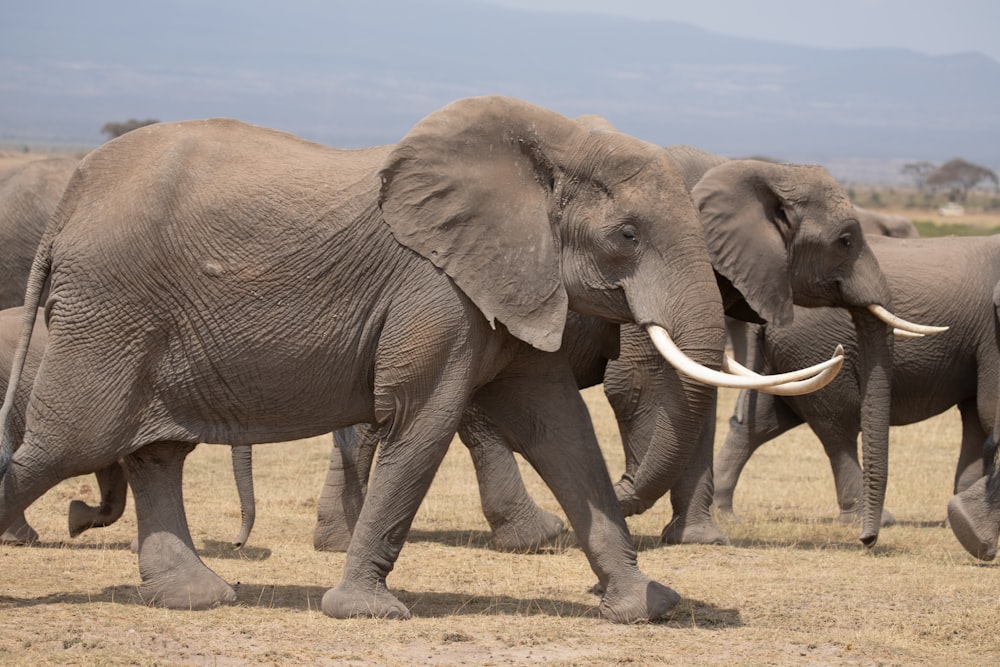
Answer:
(928, 26)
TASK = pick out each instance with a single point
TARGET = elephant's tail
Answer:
(41, 266)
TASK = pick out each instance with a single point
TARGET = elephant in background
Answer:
(29, 193)
(952, 278)
(243, 300)
(777, 234)
(886, 224)
(112, 480)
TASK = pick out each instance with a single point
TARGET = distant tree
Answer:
(918, 171)
(961, 176)
(114, 130)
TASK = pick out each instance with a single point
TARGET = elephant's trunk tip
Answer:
(869, 539)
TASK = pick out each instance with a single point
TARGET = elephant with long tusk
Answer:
(217, 282)
(777, 234)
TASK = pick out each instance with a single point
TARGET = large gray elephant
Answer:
(950, 277)
(29, 193)
(217, 282)
(777, 234)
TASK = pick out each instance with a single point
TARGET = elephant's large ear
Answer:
(748, 232)
(470, 188)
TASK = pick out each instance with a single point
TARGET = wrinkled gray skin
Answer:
(950, 279)
(203, 293)
(974, 513)
(29, 194)
(111, 480)
(776, 234)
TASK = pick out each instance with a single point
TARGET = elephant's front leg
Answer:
(540, 412)
(970, 457)
(518, 523)
(691, 497)
(172, 573)
(974, 515)
(344, 488)
(407, 461)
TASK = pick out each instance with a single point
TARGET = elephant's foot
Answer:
(19, 533)
(83, 517)
(201, 590)
(637, 600)
(173, 576)
(857, 515)
(348, 600)
(536, 532)
(679, 531)
(968, 526)
(334, 536)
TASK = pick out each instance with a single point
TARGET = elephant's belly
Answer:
(915, 402)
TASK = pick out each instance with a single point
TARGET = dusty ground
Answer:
(794, 588)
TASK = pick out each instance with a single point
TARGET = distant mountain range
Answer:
(353, 74)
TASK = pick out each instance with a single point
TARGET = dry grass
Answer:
(794, 589)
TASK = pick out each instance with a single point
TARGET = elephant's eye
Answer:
(630, 233)
(846, 241)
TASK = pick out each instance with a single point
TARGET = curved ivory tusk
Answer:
(683, 363)
(792, 388)
(899, 323)
(900, 333)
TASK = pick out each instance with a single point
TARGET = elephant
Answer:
(886, 224)
(240, 285)
(29, 193)
(777, 234)
(112, 479)
(952, 277)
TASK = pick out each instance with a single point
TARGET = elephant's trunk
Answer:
(875, 385)
(661, 409)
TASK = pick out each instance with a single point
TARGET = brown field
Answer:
(795, 587)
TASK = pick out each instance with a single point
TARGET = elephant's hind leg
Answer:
(172, 573)
(344, 488)
(518, 523)
(113, 485)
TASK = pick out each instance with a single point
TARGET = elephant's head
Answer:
(532, 213)
(784, 234)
